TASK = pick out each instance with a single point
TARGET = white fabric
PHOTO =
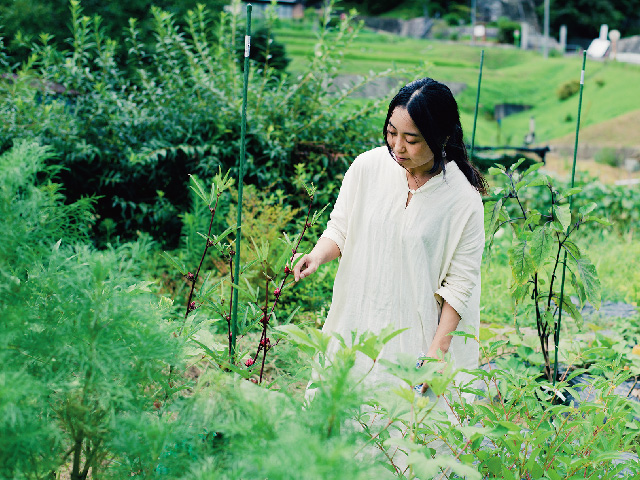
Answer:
(398, 262)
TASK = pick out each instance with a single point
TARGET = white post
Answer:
(604, 31)
(614, 36)
(524, 36)
(563, 38)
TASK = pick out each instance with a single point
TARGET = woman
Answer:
(408, 226)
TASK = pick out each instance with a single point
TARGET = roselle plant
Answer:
(540, 238)
(214, 293)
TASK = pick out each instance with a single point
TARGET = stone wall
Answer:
(629, 45)
(416, 27)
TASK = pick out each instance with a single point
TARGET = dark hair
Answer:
(433, 109)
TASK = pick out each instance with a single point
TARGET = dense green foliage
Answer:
(583, 18)
(93, 374)
(85, 352)
(103, 376)
(543, 241)
(23, 21)
(132, 139)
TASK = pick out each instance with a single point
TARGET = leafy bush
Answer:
(607, 156)
(84, 348)
(543, 240)
(92, 382)
(506, 29)
(131, 135)
(615, 203)
(568, 89)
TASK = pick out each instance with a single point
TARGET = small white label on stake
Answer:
(582, 77)
(247, 45)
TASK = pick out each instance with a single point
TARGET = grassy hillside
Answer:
(509, 76)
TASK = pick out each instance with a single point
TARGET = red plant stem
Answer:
(263, 336)
(230, 305)
(204, 253)
(265, 323)
(632, 387)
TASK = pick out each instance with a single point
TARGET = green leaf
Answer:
(532, 169)
(197, 188)
(496, 171)
(572, 249)
(591, 282)
(563, 214)
(433, 467)
(571, 309)
(572, 191)
(533, 218)
(539, 181)
(180, 266)
(492, 214)
(600, 220)
(142, 286)
(316, 215)
(520, 261)
(513, 167)
(588, 208)
(542, 243)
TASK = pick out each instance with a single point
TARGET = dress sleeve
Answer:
(463, 273)
(339, 219)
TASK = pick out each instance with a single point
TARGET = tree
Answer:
(23, 20)
(584, 17)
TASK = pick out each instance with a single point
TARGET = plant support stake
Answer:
(556, 337)
(243, 153)
(475, 115)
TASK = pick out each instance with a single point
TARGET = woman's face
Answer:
(408, 145)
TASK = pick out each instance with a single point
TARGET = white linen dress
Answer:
(399, 262)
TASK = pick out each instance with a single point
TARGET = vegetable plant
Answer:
(539, 239)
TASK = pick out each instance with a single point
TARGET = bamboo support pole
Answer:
(243, 154)
(556, 337)
(475, 115)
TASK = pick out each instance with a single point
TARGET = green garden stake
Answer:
(556, 337)
(475, 115)
(243, 153)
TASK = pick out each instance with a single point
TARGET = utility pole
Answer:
(473, 22)
(545, 42)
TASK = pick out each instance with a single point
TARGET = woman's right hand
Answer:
(307, 264)
(324, 251)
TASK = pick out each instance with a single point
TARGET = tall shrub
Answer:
(84, 350)
(132, 135)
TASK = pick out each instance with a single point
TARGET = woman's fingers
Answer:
(301, 268)
(305, 267)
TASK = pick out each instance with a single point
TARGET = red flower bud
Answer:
(249, 362)
(287, 270)
(192, 306)
(254, 380)
(157, 404)
(265, 341)
(191, 276)
(276, 292)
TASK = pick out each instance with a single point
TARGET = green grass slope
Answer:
(509, 76)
